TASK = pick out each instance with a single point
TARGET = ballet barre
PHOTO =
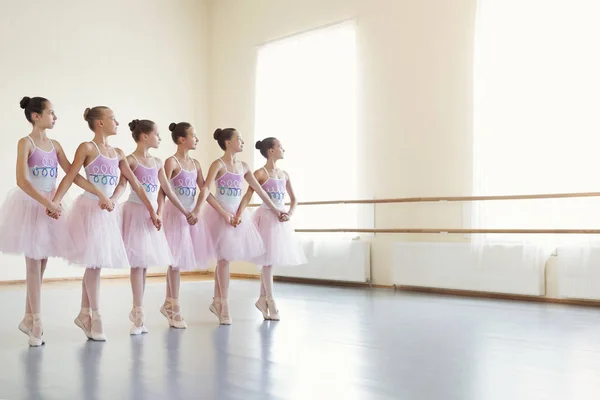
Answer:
(448, 199)
(458, 231)
(454, 199)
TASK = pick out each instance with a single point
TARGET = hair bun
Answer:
(217, 133)
(24, 102)
(133, 124)
(86, 113)
(172, 126)
(258, 145)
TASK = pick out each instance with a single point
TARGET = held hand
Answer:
(236, 220)
(106, 204)
(284, 217)
(54, 208)
(156, 221)
(193, 217)
(230, 219)
(52, 215)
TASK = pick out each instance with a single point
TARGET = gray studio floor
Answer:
(332, 343)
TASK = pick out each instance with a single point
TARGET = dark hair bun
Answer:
(86, 112)
(217, 133)
(24, 102)
(172, 126)
(133, 124)
(258, 145)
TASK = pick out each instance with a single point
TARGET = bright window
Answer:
(306, 96)
(537, 108)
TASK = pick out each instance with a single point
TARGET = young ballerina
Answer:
(282, 247)
(145, 245)
(24, 226)
(234, 240)
(191, 245)
(96, 234)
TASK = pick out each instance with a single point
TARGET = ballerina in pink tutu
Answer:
(234, 240)
(191, 245)
(282, 246)
(96, 234)
(146, 246)
(24, 226)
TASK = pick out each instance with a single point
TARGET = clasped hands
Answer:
(237, 219)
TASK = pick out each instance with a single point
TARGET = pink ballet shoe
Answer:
(26, 324)
(137, 317)
(174, 317)
(80, 321)
(35, 336)
(96, 331)
(215, 308)
(224, 318)
(261, 304)
(273, 311)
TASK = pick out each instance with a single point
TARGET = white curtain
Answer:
(306, 96)
(537, 119)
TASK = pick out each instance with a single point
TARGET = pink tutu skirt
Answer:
(144, 244)
(282, 246)
(26, 229)
(96, 235)
(191, 245)
(242, 243)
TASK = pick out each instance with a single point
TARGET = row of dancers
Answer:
(165, 220)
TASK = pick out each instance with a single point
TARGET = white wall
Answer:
(415, 60)
(153, 59)
(144, 59)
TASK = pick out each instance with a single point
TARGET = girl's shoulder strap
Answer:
(136, 160)
(239, 168)
(96, 146)
(177, 161)
(196, 164)
(223, 162)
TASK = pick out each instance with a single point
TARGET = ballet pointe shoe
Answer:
(35, 336)
(137, 317)
(83, 320)
(215, 308)
(165, 308)
(261, 304)
(273, 311)
(96, 330)
(172, 312)
(224, 317)
(26, 324)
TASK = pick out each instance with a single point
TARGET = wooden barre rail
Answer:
(461, 231)
(449, 199)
